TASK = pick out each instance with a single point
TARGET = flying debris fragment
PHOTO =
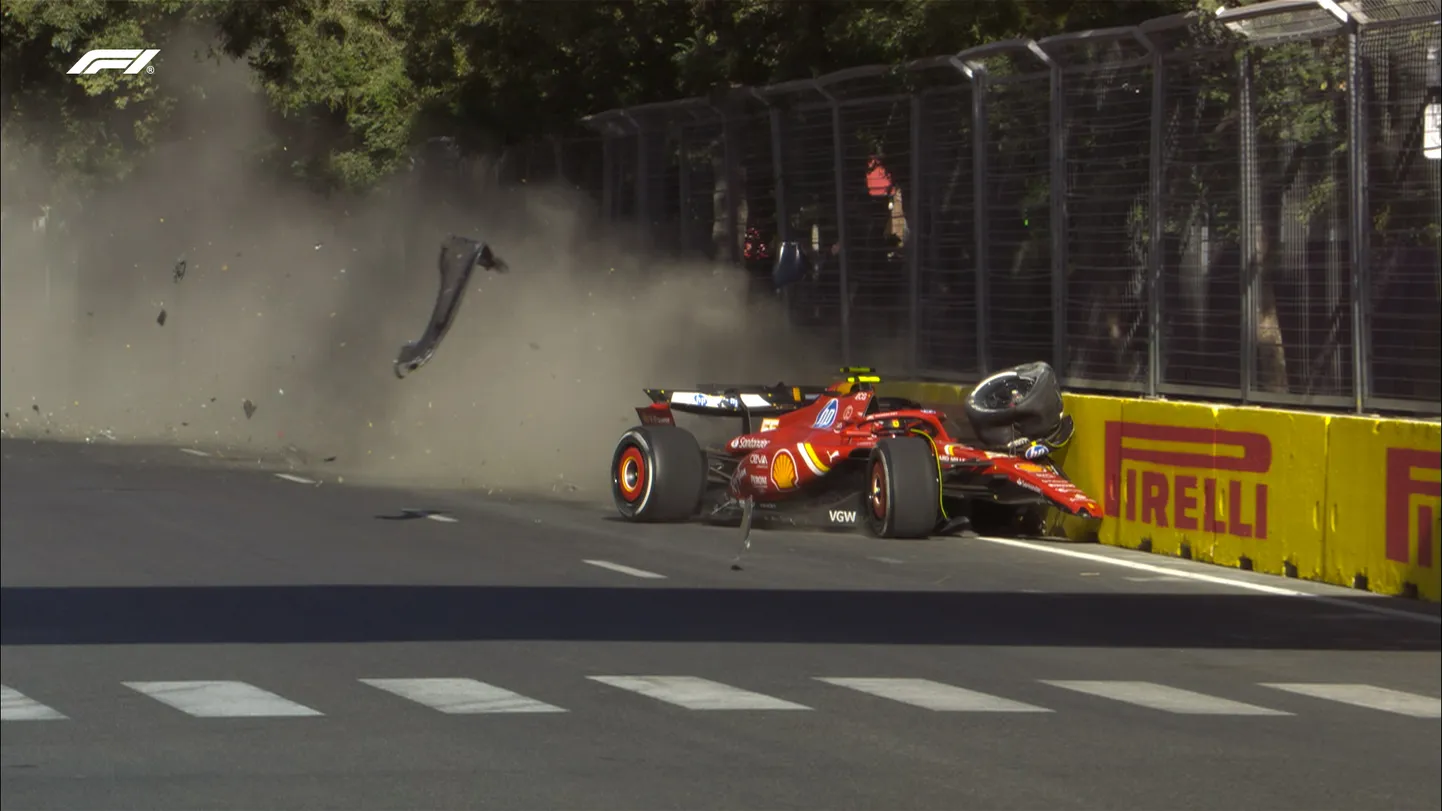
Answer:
(160, 319)
(249, 408)
(458, 259)
(178, 272)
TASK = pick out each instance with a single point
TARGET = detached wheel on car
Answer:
(903, 489)
(1023, 402)
(658, 473)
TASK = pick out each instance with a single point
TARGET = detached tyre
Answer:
(658, 473)
(1020, 402)
(903, 489)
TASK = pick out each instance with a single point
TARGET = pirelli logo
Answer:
(1414, 495)
(1174, 477)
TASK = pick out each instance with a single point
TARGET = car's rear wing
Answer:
(742, 402)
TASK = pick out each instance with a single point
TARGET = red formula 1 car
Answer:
(843, 456)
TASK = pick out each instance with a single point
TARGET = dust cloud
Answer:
(298, 304)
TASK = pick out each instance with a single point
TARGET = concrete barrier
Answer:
(1354, 501)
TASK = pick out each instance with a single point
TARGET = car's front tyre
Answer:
(903, 489)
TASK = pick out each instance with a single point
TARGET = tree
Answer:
(94, 127)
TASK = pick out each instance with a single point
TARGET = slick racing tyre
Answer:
(657, 474)
(1020, 402)
(903, 489)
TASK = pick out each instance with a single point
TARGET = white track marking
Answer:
(461, 696)
(431, 515)
(616, 567)
(1201, 577)
(697, 694)
(932, 695)
(16, 706)
(221, 699)
(1161, 697)
(297, 479)
(1370, 697)
(194, 452)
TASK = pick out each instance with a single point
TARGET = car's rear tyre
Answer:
(903, 489)
(658, 473)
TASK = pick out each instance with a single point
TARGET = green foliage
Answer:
(88, 128)
(354, 84)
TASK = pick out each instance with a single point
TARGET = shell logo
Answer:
(783, 470)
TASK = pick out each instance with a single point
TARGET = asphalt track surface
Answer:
(127, 569)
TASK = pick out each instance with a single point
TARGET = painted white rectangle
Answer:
(697, 694)
(1369, 697)
(221, 699)
(1167, 699)
(616, 567)
(933, 695)
(16, 706)
(461, 696)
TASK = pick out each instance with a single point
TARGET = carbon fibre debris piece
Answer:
(459, 257)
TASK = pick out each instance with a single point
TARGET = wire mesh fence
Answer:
(1239, 206)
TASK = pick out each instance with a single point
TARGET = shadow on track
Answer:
(370, 613)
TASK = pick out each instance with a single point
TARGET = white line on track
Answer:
(697, 694)
(16, 706)
(931, 695)
(221, 699)
(461, 696)
(1210, 578)
(1370, 697)
(430, 515)
(616, 567)
(1164, 698)
(297, 479)
(194, 452)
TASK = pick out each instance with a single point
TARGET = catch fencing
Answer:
(1242, 206)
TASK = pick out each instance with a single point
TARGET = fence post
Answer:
(1248, 246)
(1157, 222)
(914, 213)
(731, 162)
(1059, 229)
(643, 178)
(683, 189)
(608, 176)
(778, 171)
(977, 73)
(838, 169)
(1357, 219)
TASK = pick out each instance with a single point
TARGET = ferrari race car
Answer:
(844, 456)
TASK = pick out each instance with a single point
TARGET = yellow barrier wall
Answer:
(1354, 501)
(1384, 504)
